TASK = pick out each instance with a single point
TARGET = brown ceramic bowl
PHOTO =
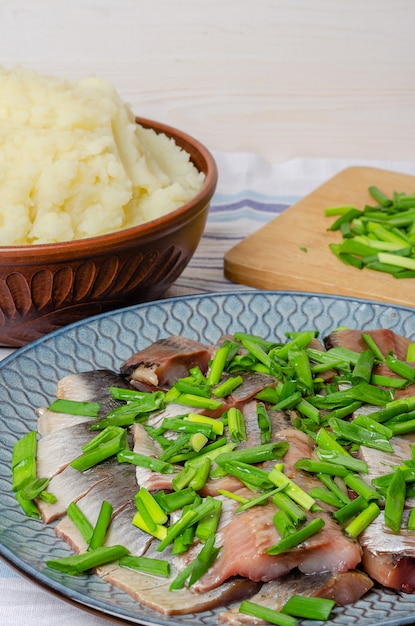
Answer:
(44, 287)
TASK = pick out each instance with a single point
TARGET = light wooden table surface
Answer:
(280, 78)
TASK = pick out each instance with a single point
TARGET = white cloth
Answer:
(250, 192)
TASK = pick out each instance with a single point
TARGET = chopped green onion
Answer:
(289, 402)
(212, 451)
(395, 502)
(291, 489)
(400, 367)
(145, 500)
(411, 520)
(182, 425)
(269, 394)
(254, 454)
(308, 410)
(290, 508)
(28, 506)
(80, 520)
(170, 502)
(402, 428)
(227, 387)
(201, 475)
(264, 613)
(399, 261)
(215, 424)
(350, 509)
(390, 411)
(75, 407)
(34, 489)
(183, 478)
(206, 527)
(326, 441)
(298, 359)
(156, 530)
(185, 539)
(362, 520)
(321, 467)
(194, 401)
(379, 196)
(148, 462)
(334, 487)
(292, 541)
(363, 368)
(389, 381)
(184, 386)
(79, 563)
(155, 567)
(196, 568)
(257, 500)
(361, 487)
(368, 423)
(309, 607)
(198, 441)
(101, 453)
(249, 475)
(236, 425)
(218, 364)
(347, 461)
(101, 526)
(264, 423)
(176, 446)
(326, 496)
(187, 519)
(284, 524)
(359, 435)
(233, 496)
(131, 412)
(24, 461)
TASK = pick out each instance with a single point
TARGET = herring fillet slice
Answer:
(164, 361)
(149, 590)
(68, 486)
(90, 386)
(344, 588)
(247, 535)
(387, 557)
(386, 340)
(56, 450)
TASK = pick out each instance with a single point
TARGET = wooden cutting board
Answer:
(274, 258)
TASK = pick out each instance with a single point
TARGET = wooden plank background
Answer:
(304, 78)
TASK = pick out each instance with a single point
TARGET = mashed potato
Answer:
(74, 164)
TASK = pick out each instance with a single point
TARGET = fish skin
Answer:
(252, 383)
(380, 463)
(68, 486)
(161, 363)
(144, 444)
(118, 489)
(50, 421)
(154, 592)
(344, 588)
(389, 558)
(90, 386)
(386, 340)
(56, 450)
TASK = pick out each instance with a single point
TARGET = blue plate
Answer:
(28, 380)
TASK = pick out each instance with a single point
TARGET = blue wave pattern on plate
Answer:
(29, 378)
